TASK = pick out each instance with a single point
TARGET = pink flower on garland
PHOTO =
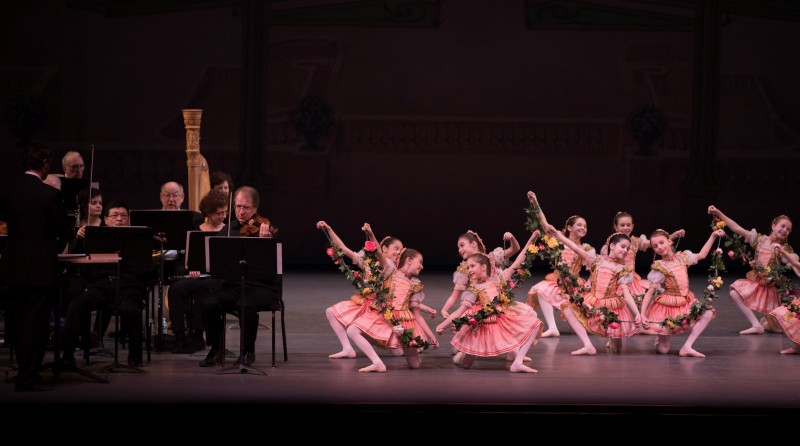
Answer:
(330, 252)
(370, 246)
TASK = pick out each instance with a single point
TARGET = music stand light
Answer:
(243, 259)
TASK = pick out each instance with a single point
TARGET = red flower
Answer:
(413, 343)
(613, 325)
(336, 262)
(356, 275)
(472, 322)
(330, 251)
(370, 246)
(731, 254)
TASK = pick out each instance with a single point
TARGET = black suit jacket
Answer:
(36, 232)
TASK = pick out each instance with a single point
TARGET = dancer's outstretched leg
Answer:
(347, 349)
(366, 348)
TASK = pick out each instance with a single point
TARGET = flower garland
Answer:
(775, 272)
(703, 304)
(568, 283)
(492, 308)
(372, 285)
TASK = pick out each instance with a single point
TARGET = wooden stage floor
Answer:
(742, 376)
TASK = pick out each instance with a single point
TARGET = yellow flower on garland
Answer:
(488, 308)
(670, 324)
(720, 224)
(552, 242)
(717, 282)
(388, 315)
(503, 298)
(533, 249)
(366, 291)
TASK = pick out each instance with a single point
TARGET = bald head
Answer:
(171, 195)
(72, 162)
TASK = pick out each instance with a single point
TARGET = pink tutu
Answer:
(507, 332)
(789, 322)
(758, 297)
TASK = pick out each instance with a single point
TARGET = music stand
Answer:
(196, 250)
(243, 258)
(171, 224)
(133, 244)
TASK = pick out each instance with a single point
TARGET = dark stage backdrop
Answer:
(442, 114)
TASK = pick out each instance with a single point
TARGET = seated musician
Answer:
(91, 215)
(186, 295)
(101, 294)
(260, 296)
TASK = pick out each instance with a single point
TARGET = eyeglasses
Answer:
(240, 207)
(116, 216)
(168, 195)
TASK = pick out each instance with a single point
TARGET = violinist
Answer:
(259, 295)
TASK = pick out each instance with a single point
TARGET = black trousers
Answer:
(32, 308)
(102, 295)
(257, 298)
(186, 296)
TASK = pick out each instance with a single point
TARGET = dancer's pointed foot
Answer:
(691, 352)
(551, 333)
(380, 368)
(584, 351)
(521, 368)
(790, 351)
(753, 330)
(458, 359)
(343, 354)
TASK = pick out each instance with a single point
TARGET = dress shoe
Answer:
(247, 357)
(35, 387)
(213, 358)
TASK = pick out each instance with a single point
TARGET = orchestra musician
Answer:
(29, 261)
(101, 294)
(186, 295)
(259, 295)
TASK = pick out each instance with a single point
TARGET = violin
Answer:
(252, 227)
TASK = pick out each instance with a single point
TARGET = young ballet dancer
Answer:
(788, 316)
(609, 290)
(403, 290)
(341, 314)
(508, 326)
(670, 275)
(546, 294)
(469, 243)
(755, 292)
(623, 223)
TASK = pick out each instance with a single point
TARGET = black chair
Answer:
(246, 258)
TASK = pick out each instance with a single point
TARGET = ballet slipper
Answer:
(690, 352)
(753, 330)
(458, 359)
(343, 354)
(584, 351)
(790, 351)
(521, 368)
(551, 333)
(662, 348)
(380, 368)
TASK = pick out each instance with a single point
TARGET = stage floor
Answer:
(741, 375)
